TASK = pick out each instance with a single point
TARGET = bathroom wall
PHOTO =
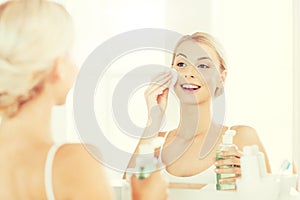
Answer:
(296, 81)
(258, 40)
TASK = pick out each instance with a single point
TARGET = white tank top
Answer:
(207, 176)
(48, 171)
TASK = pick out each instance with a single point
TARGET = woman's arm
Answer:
(156, 96)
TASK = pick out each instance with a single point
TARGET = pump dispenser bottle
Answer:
(145, 162)
(226, 146)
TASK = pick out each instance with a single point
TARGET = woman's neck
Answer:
(194, 120)
(31, 123)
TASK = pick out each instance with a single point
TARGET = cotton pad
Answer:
(174, 77)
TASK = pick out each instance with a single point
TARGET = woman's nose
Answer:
(190, 72)
(187, 76)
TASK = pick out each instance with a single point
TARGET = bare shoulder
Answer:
(244, 131)
(77, 170)
(75, 152)
(245, 135)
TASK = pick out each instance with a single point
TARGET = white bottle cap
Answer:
(247, 151)
(230, 132)
(250, 150)
(227, 139)
(250, 166)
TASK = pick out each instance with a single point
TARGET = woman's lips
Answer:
(190, 87)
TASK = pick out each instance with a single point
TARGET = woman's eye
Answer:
(181, 64)
(202, 66)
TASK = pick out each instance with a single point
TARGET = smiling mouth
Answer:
(190, 87)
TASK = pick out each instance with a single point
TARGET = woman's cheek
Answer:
(211, 79)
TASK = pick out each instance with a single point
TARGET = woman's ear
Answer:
(223, 76)
(57, 72)
(219, 90)
(220, 87)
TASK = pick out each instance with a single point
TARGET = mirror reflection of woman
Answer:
(36, 73)
(189, 150)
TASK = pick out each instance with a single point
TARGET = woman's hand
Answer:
(156, 96)
(153, 187)
(229, 164)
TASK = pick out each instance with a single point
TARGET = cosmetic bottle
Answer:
(226, 146)
(254, 183)
(250, 165)
(146, 162)
(261, 163)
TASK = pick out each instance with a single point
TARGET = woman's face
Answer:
(198, 72)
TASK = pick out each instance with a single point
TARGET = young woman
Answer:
(36, 73)
(189, 150)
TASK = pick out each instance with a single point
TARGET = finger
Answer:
(227, 180)
(232, 170)
(164, 93)
(133, 180)
(214, 159)
(162, 98)
(233, 153)
(157, 89)
(228, 162)
(161, 82)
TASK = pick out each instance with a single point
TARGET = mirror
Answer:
(263, 76)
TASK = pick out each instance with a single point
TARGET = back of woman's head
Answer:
(33, 33)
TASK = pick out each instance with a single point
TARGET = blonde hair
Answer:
(33, 34)
(206, 39)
